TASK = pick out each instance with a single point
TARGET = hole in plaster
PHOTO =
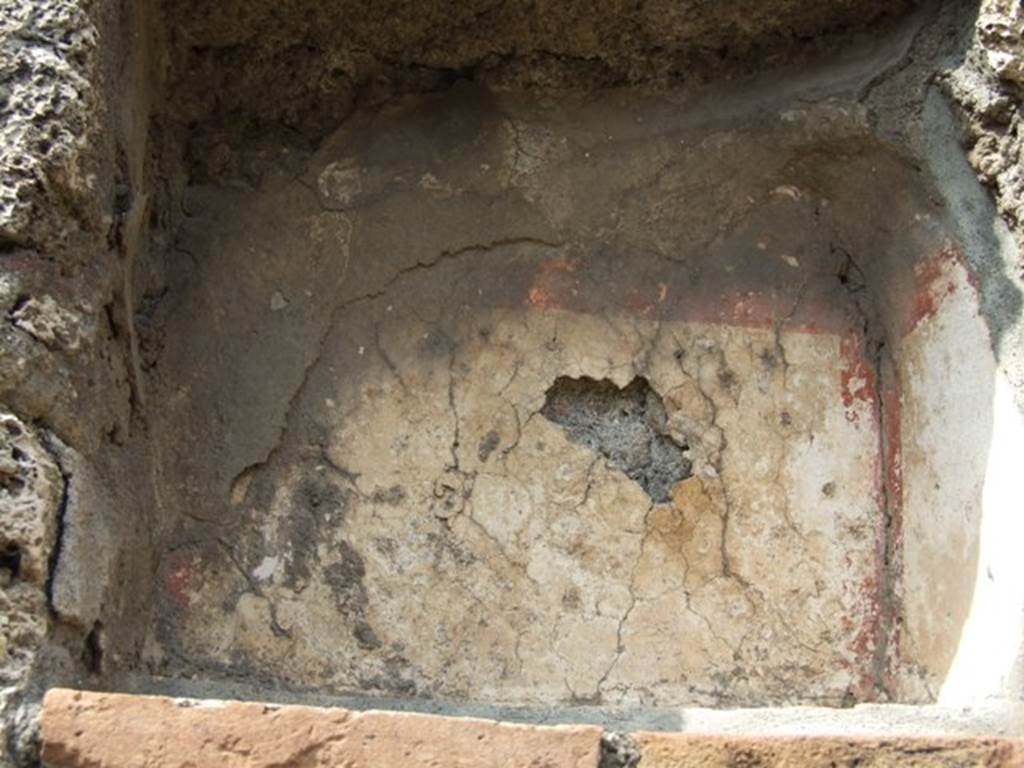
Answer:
(627, 426)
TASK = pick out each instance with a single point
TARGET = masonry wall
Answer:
(136, 141)
(75, 185)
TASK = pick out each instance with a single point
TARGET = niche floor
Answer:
(565, 401)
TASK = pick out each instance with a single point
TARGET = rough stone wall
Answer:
(989, 88)
(52, 117)
(71, 171)
(294, 70)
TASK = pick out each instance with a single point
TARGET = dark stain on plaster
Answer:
(392, 496)
(488, 443)
(345, 578)
(627, 426)
(449, 552)
(365, 636)
(316, 504)
(392, 677)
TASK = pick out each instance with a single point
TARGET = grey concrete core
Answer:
(627, 426)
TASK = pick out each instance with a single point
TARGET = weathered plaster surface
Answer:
(374, 429)
(535, 572)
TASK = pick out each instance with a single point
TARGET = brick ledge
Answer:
(105, 730)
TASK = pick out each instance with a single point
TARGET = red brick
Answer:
(662, 750)
(97, 730)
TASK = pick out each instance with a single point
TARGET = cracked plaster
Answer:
(386, 479)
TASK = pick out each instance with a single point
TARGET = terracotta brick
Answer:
(694, 751)
(99, 730)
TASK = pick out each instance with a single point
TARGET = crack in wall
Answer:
(254, 588)
(853, 279)
(715, 462)
(888, 598)
(620, 646)
(48, 441)
(339, 308)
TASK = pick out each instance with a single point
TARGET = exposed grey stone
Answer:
(627, 426)
(81, 578)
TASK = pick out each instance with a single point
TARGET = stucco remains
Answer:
(619, 357)
(422, 493)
